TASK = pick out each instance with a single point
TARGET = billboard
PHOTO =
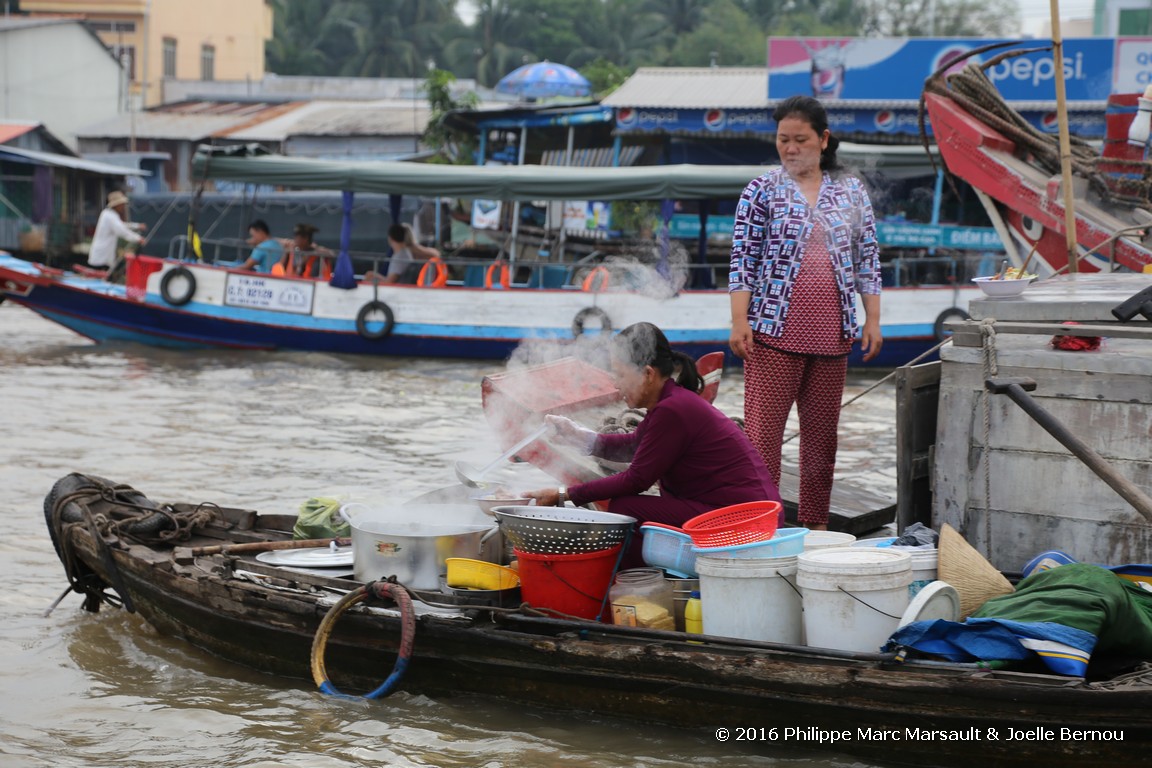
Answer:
(894, 69)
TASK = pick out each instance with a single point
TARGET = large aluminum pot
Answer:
(412, 543)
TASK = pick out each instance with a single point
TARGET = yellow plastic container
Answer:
(464, 573)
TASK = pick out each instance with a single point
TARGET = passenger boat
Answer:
(474, 311)
(193, 570)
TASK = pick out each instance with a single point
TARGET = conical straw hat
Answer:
(975, 579)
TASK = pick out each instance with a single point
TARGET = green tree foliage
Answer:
(727, 36)
(403, 38)
(942, 18)
(451, 146)
(604, 76)
(361, 38)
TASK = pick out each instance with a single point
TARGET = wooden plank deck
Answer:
(853, 510)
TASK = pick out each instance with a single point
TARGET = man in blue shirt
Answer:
(266, 252)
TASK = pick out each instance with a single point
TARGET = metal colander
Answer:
(562, 530)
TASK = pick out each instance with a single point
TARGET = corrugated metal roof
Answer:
(64, 161)
(161, 125)
(340, 118)
(599, 157)
(693, 88)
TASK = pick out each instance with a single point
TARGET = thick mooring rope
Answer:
(974, 91)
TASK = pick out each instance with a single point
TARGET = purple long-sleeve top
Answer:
(694, 451)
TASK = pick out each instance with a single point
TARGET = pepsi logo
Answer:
(1050, 122)
(626, 116)
(827, 80)
(952, 55)
(714, 119)
(885, 120)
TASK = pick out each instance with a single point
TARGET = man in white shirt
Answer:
(110, 229)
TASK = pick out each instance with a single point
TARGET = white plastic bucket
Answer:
(827, 539)
(924, 561)
(751, 599)
(853, 597)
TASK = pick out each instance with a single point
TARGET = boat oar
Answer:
(471, 476)
(268, 546)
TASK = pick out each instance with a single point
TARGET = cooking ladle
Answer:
(471, 476)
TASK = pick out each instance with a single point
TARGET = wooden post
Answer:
(1065, 141)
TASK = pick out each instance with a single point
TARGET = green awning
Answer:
(493, 182)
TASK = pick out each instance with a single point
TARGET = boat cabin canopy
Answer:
(499, 182)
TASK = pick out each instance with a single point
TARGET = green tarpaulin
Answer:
(493, 182)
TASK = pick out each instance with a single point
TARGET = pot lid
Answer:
(938, 600)
(316, 557)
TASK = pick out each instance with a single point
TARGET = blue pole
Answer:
(937, 194)
(344, 275)
(702, 278)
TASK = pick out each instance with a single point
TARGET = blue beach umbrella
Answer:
(542, 80)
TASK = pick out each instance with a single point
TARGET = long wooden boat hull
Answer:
(773, 696)
(452, 322)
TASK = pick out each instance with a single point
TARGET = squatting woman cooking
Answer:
(699, 457)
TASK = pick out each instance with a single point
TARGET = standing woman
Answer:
(803, 246)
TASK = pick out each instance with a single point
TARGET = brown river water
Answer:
(267, 431)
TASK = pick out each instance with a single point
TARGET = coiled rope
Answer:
(972, 89)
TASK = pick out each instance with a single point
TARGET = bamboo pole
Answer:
(1065, 141)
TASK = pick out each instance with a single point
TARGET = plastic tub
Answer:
(786, 543)
(827, 540)
(751, 599)
(853, 597)
(465, 573)
(668, 547)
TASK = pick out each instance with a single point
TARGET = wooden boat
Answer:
(1016, 170)
(189, 570)
(195, 304)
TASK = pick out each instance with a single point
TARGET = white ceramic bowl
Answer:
(1000, 288)
(488, 503)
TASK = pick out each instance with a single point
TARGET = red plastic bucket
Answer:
(571, 584)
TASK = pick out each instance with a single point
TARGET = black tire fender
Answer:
(953, 313)
(179, 273)
(362, 321)
(583, 316)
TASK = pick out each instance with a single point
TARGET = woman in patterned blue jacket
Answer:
(803, 247)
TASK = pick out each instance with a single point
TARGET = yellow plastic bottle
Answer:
(693, 617)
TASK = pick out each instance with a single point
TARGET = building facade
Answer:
(79, 83)
(158, 40)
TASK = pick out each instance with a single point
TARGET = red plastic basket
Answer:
(738, 524)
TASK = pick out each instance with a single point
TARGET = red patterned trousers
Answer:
(773, 381)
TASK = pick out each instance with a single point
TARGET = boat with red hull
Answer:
(1015, 170)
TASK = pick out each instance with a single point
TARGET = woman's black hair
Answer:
(644, 344)
(811, 111)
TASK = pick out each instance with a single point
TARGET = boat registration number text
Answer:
(272, 293)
